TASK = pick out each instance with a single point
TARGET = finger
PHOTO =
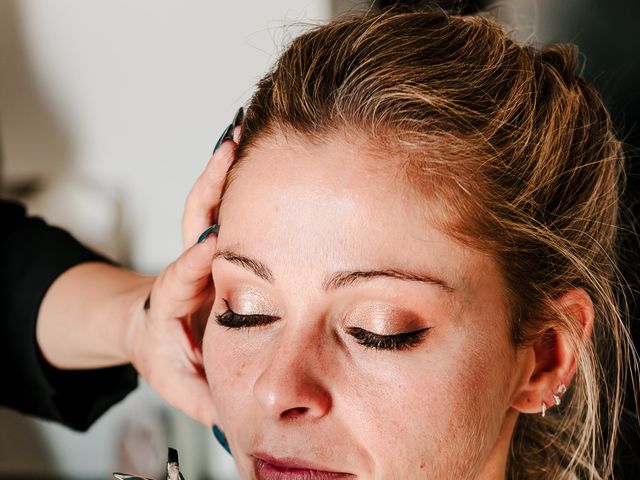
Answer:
(196, 325)
(204, 197)
(237, 132)
(185, 285)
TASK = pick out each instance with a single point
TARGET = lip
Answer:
(267, 467)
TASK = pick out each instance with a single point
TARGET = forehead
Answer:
(335, 203)
(331, 162)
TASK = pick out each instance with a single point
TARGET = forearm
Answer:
(84, 318)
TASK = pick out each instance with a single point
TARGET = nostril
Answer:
(294, 413)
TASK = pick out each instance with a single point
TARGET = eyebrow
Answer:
(337, 279)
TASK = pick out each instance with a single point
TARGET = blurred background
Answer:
(109, 110)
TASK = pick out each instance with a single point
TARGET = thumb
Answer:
(186, 284)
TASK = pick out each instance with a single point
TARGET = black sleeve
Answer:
(32, 255)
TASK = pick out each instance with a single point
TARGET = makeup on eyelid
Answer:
(378, 318)
(248, 301)
(383, 319)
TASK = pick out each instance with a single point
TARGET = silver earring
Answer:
(559, 391)
(544, 409)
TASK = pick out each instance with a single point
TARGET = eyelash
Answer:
(399, 341)
(231, 319)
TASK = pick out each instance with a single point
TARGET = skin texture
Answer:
(303, 386)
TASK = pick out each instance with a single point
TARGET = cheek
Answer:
(475, 402)
(228, 370)
(477, 396)
(454, 396)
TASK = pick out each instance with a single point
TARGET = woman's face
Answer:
(348, 333)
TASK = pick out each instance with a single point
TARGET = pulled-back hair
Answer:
(521, 152)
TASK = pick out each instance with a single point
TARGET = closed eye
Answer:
(231, 319)
(398, 341)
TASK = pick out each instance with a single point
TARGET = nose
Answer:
(292, 386)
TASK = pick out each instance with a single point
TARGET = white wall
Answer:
(116, 105)
(131, 95)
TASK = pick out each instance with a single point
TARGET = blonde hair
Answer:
(521, 151)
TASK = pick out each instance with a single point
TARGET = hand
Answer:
(165, 341)
(93, 314)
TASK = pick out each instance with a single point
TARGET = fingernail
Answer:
(237, 119)
(212, 229)
(226, 135)
(222, 440)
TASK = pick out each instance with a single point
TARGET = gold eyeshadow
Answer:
(249, 301)
(376, 326)
(376, 317)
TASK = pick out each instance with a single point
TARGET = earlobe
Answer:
(550, 361)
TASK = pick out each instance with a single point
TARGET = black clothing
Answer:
(32, 255)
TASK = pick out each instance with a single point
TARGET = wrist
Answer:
(138, 305)
(84, 319)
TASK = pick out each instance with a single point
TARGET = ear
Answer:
(550, 361)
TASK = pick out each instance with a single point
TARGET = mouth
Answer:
(267, 467)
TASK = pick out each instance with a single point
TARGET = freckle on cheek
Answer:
(240, 370)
